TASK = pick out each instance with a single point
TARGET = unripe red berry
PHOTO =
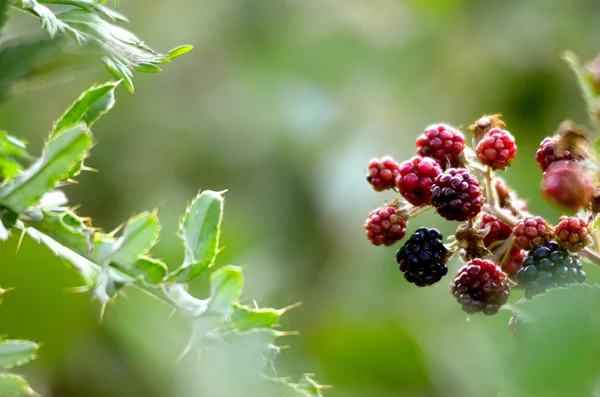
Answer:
(512, 261)
(385, 226)
(497, 149)
(456, 195)
(572, 233)
(442, 143)
(416, 178)
(382, 173)
(566, 183)
(548, 153)
(530, 232)
(480, 286)
(498, 230)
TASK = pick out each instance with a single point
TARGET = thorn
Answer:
(290, 307)
(172, 313)
(20, 240)
(255, 304)
(72, 181)
(77, 290)
(287, 333)
(116, 230)
(74, 208)
(102, 310)
(89, 169)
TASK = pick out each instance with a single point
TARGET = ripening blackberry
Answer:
(442, 143)
(549, 266)
(423, 257)
(456, 196)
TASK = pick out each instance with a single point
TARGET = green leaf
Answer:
(49, 21)
(225, 289)
(11, 151)
(147, 68)
(245, 318)
(90, 6)
(557, 335)
(119, 71)
(200, 230)
(16, 352)
(3, 12)
(589, 94)
(140, 234)
(13, 385)
(152, 270)
(59, 156)
(89, 107)
(176, 52)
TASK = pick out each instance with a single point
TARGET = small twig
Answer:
(503, 216)
(489, 187)
(592, 256)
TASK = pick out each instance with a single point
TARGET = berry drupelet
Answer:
(530, 232)
(548, 154)
(547, 267)
(456, 196)
(385, 226)
(423, 257)
(416, 178)
(382, 173)
(442, 143)
(572, 233)
(480, 287)
(497, 149)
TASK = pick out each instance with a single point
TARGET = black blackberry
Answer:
(423, 257)
(549, 266)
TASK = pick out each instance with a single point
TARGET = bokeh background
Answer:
(283, 103)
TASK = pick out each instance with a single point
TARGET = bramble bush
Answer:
(507, 250)
(33, 204)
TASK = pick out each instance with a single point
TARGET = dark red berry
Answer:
(497, 149)
(548, 266)
(385, 226)
(442, 143)
(567, 184)
(480, 287)
(416, 178)
(530, 232)
(548, 153)
(423, 257)
(382, 173)
(456, 195)
(572, 233)
(512, 261)
(498, 229)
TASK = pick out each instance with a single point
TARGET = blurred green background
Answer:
(283, 103)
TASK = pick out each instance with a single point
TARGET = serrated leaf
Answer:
(16, 352)
(13, 386)
(558, 335)
(49, 20)
(140, 234)
(225, 289)
(200, 230)
(176, 52)
(245, 318)
(89, 107)
(11, 151)
(59, 156)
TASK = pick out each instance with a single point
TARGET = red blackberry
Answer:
(382, 173)
(497, 149)
(512, 261)
(572, 233)
(530, 232)
(567, 184)
(415, 179)
(423, 257)
(442, 143)
(385, 225)
(548, 154)
(480, 286)
(549, 266)
(498, 229)
(456, 195)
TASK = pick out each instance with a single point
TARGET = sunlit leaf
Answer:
(225, 289)
(16, 352)
(13, 386)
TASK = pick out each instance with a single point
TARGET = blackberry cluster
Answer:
(423, 257)
(549, 266)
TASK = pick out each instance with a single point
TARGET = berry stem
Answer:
(416, 211)
(489, 187)
(592, 256)
(503, 216)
